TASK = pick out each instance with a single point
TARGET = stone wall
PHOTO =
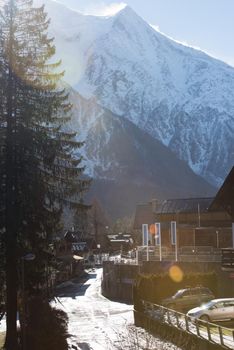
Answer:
(118, 279)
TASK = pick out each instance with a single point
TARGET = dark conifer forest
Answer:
(38, 170)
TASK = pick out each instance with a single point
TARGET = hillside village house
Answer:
(71, 251)
(200, 222)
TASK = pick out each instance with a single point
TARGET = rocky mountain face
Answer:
(151, 107)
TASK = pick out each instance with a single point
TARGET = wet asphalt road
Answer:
(96, 323)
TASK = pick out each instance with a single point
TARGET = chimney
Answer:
(154, 204)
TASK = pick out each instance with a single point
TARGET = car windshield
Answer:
(205, 291)
(208, 305)
(179, 293)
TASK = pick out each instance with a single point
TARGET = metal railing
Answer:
(209, 331)
(151, 253)
(121, 259)
(186, 253)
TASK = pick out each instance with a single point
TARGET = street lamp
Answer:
(99, 254)
(27, 257)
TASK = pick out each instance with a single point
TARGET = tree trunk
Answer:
(11, 217)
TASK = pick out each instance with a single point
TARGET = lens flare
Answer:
(176, 274)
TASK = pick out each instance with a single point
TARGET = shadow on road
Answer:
(73, 291)
(75, 287)
(84, 346)
(91, 276)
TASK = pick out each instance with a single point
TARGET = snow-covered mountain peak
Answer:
(175, 93)
(126, 13)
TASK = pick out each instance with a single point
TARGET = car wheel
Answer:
(205, 318)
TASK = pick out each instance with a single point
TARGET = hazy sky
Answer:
(207, 24)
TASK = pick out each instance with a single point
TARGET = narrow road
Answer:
(96, 323)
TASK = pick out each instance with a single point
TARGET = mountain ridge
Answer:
(176, 94)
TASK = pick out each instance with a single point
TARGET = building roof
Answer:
(186, 205)
(145, 213)
(72, 236)
(224, 199)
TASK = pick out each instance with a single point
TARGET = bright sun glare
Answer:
(176, 273)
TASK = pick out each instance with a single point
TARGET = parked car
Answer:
(214, 310)
(185, 299)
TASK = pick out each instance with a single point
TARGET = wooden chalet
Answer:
(224, 200)
(71, 252)
(196, 225)
(199, 221)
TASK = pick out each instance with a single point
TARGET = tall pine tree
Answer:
(38, 172)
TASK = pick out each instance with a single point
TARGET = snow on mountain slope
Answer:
(177, 94)
(74, 35)
(128, 166)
